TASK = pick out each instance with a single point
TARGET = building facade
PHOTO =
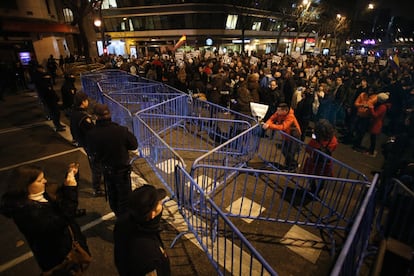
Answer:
(224, 26)
(34, 30)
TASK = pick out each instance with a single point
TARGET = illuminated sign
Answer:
(25, 58)
(369, 41)
(238, 41)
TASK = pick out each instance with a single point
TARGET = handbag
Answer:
(76, 262)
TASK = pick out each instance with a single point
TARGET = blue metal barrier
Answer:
(355, 248)
(231, 159)
(135, 102)
(227, 249)
(119, 113)
(272, 151)
(331, 205)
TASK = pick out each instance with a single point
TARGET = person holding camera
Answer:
(46, 220)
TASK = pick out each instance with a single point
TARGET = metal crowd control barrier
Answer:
(110, 85)
(396, 220)
(227, 249)
(354, 250)
(136, 102)
(274, 149)
(119, 113)
(284, 197)
(90, 81)
(319, 191)
(165, 141)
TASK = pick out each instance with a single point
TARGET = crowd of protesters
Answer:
(358, 95)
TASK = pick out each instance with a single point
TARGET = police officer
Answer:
(49, 98)
(109, 144)
(68, 91)
(80, 123)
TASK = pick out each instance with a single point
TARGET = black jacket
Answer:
(45, 226)
(80, 124)
(138, 249)
(109, 144)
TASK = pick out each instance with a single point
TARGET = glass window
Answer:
(107, 4)
(231, 22)
(256, 26)
(68, 15)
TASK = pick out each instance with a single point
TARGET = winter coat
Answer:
(284, 123)
(45, 226)
(138, 249)
(363, 102)
(110, 143)
(378, 114)
(80, 124)
(318, 164)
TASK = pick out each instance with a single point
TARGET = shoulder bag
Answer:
(76, 262)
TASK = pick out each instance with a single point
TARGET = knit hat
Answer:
(383, 96)
(102, 111)
(143, 200)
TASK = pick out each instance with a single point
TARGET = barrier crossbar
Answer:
(138, 101)
(280, 151)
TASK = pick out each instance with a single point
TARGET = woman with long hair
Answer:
(44, 218)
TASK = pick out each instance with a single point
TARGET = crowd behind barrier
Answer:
(234, 147)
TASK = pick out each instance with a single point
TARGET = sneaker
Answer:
(98, 193)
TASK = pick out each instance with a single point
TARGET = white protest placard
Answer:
(258, 110)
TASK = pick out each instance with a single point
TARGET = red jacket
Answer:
(324, 167)
(378, 115)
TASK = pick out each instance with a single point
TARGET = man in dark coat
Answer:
(109, 144)
(50, 99)
(138, 248)
(68, 91)
(80, 123)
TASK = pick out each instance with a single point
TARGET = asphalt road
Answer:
(26, 137)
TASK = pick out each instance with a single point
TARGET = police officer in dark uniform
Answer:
(50, 99)
(110, 144)
(68, 91)
(80, 123)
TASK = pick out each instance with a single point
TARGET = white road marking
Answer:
(39, 159)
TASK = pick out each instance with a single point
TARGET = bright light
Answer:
(371, 6)
(97, 23)
(338, 16)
